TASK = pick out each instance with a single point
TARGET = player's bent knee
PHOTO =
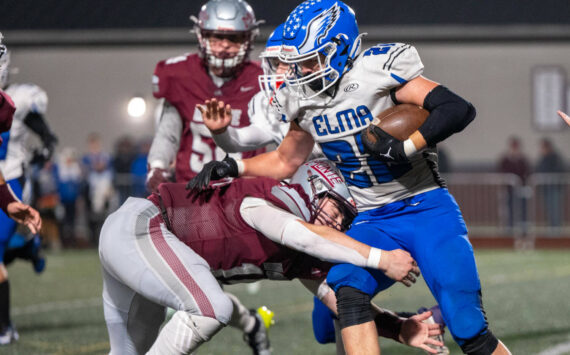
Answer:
(184, 333)
(353, 307)
(348, 275)
(482, 344)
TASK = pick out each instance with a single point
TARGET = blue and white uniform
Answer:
(401, 205)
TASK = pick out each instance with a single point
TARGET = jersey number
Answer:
(354, 171)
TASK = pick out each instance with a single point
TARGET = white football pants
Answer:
(145, 269)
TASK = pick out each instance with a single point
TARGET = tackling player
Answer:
(332, 94)
(173, 249)
(226, 30)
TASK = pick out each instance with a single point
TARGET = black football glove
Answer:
(214, 170)
(383, 146)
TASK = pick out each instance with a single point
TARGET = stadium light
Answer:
(136, 107)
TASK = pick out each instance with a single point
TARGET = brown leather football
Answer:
(399, 121)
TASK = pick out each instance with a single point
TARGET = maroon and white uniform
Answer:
(234, 250)
(171, 250)
(184, 82)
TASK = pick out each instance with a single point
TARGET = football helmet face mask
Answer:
(320, 40)
(273, 69)
(4, 63)
(320, 180)
(226, 30)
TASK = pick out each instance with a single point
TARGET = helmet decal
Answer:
(319, 27)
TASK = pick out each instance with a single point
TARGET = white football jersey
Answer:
(336, 124)
(14, 153)
(267, 118)
(263, 116)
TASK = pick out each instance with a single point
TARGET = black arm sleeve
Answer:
(449, 114)
(38, 125)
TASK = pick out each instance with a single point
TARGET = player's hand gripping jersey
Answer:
(184, 82)
(28, 98)
(336, 124)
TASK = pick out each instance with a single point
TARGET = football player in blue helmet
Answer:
(327, 44)
(331, 94)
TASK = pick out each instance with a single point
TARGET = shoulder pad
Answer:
(162, 73)
(35, 97)
(397, 62)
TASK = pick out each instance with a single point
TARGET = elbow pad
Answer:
(449, 114)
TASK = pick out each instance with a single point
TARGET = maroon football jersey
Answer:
(211, 224)
(184, 82)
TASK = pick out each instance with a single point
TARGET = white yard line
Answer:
(562, 348)
(57, 306)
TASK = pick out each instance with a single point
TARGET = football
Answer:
(399, 121)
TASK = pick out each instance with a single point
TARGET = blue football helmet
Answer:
(321, 35)
(271, 79)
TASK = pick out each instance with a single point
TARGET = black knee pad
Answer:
(482, 344)
(353, 307)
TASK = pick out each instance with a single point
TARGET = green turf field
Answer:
(526, 296)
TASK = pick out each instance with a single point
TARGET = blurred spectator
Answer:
(552, 193)
(70, 182)
(515, 162)
(122, 160)
(99, 187)
(139, 169)
(47, 203)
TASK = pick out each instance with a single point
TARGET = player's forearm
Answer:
(269, 164)
(287, 229)
(166, 142)
(325, 243)
(283, 162)
(242, 139)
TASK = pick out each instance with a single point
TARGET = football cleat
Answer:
(9, 335)
(258, 338)
(37, 257)
(436, 318)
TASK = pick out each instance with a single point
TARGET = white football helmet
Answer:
(270, 81)
(320, 178)
(4, 63)
(226, 18)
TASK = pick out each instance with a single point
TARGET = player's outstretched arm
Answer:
(324, 242)
(564, 116)
(278, 164)
(283, 162)
(217, 117)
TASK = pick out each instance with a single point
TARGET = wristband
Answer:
(374, 258)
(240, 167)
(409, 148)
(6, 196)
